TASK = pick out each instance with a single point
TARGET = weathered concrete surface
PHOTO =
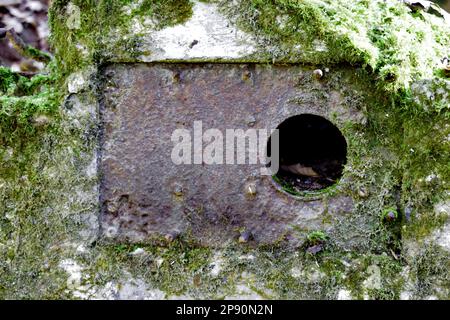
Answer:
(207, 35)
(144, 195)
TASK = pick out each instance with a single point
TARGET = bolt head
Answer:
(245, 237)
(318, 74)
(362, 192)
(171, 236)
(178, 190)
(390, 216)
(246, 75)
(250, 189)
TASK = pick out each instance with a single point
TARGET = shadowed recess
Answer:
(312, 153)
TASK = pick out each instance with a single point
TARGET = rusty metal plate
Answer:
(144, 195)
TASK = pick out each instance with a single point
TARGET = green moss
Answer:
(166, 12)
(104, 33)
(8, 80)
(171, 268)
(36, 54)
(21, 100)
(389, 215)
(422, 226)
(307, 195)
(316, 237)
(431, 269)
(25, 191)
(38, 172)
(398, 45)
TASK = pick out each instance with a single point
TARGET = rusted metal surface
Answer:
(144, 195)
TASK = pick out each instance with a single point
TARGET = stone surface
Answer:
(145, 195)
(206, 35)
(373, 282)
(344, 295)
(441, 236)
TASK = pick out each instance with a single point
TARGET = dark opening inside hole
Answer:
(312, 153)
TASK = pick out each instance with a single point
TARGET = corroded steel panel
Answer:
(145, 195)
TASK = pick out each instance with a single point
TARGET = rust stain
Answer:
(144, 195)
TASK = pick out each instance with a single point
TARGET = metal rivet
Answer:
(171, 236)
(251, 120)
(250, 189)
(176, 77)
(178, 190)
(245, 237)
(246, 75)
(318, 74)
(362, 192)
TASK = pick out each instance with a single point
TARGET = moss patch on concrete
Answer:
(43, 190)
(398, 45)
(97, 31)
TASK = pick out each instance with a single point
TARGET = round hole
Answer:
(312, 154)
